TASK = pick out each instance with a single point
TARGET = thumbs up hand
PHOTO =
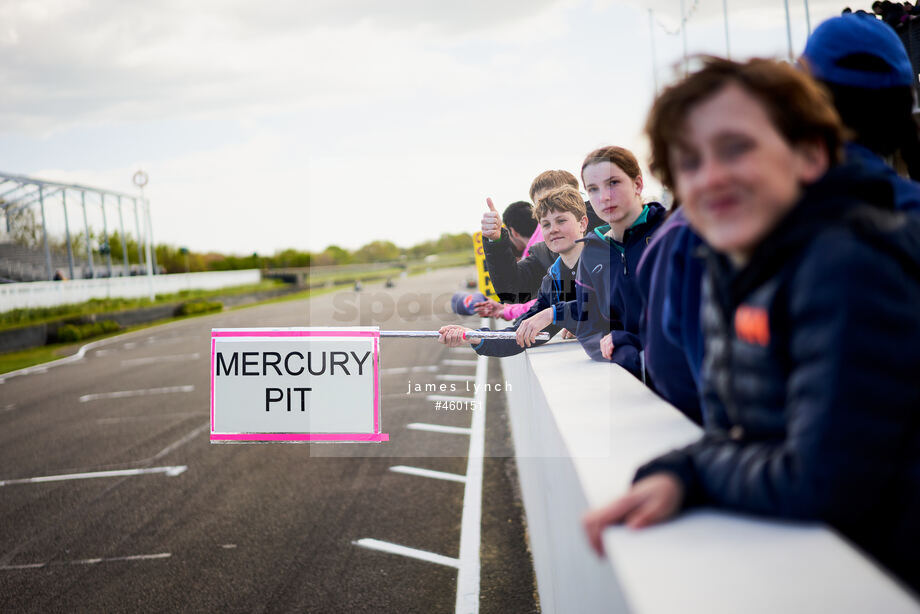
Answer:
(491, 222)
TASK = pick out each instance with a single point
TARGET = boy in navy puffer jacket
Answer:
(810, 318)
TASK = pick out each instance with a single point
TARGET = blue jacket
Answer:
(608, 299)
(558, 285)
(906, 191)
(810, 374)
(670, 276)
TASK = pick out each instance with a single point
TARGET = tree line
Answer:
(25, 230)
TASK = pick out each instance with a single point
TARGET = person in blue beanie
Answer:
(810, 319)
(864, 65)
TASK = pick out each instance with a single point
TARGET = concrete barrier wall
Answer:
(580, 431)
(52, 293)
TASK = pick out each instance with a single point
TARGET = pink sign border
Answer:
(376, 436)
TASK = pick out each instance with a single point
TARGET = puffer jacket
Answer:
(809, 381)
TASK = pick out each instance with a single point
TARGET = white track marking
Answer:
(469, 568)
(114, 420)
(446, 397)
(452, 378)
(130, 345)
(428, 473)
(8, 407)
(122, 394)
(130, 362)
(423, 555)
(43, 368)
(133, 557)
(180, 442)
(439, 428)
(398, 370)
(103, 352)
(169, 471)
(459, 363)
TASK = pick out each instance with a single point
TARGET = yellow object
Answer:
(485, 282)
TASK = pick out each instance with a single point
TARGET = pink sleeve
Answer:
(513, 311)
(536, 237)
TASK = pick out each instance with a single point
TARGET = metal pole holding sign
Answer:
(302, 384)
(476, 334)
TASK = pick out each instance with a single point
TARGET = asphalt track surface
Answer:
(252, 527)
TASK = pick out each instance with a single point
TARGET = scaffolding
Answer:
(19, 194)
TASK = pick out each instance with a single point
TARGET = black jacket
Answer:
(810, 378)
(516, 282)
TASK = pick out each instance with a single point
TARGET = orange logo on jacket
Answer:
(752, 325)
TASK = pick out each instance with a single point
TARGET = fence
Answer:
(51, 293)
(580, 431)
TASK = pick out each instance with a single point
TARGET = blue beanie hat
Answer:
(857, 34)
(462, 302)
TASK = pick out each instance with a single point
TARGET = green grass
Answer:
(25, 317)
(13, 361)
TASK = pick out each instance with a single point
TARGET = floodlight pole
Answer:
(651, 37)
(788, 31)
(728, 52)
(105, 236)
(41, 201)
(137, 229)
(140, 180)
(683, 32)
(124, 240)
(67, 234)
(89, 251)
(153, 251)
(807, 18)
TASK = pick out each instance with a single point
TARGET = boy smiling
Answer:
(562, 217)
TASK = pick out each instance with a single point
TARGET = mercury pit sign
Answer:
(295, 384)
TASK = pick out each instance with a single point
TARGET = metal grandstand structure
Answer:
(56, 203)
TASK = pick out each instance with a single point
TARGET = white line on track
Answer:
(130, 362)
(452, 378)
(423, 555)
(458, 363)
(169, 471)
(116, 419)
(469, 568)
(428, 473)
(133, 557)
(397, 370)
(446, 397)
(130, 345)
(439, 428)
(8, 407)
(180, 442)
(122, 394)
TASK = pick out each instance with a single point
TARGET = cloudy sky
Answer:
(300, 124)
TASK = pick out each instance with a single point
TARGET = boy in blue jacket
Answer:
(561, 214)
(605, 314)
(810, 321)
